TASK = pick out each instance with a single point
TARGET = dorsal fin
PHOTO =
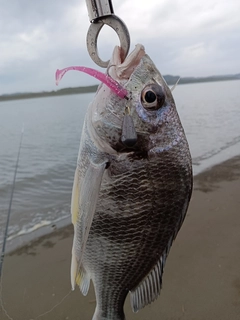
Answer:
(175, 85)
(149, 289)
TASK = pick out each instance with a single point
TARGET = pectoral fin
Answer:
(79, 277)
(75, 198)
(84, 200)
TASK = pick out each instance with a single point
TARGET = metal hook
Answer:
(101, 12)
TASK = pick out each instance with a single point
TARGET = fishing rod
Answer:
(10, 204)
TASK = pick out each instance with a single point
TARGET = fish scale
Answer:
(155, 219)
(128, 203)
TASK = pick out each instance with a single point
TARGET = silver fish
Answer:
(128, 202)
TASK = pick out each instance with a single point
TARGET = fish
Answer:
(132, 187)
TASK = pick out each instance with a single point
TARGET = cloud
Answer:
(182, 37)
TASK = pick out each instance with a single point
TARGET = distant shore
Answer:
(201, 278)
(171, 80)
(61, 92)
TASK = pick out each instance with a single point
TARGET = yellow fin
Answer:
(74, 267)
(79, 276)
(78, 279)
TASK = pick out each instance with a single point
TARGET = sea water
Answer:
(210, 114)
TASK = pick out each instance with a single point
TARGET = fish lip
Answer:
(124, 69)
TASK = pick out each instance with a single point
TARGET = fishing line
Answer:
(53, 308)
(5, 241)
(10, 205)
(7, 224)
(42, 314)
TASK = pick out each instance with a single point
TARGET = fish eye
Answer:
(152, 97)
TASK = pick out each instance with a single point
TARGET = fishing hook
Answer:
(101, 12)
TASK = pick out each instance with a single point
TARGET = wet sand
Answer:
(201, 279)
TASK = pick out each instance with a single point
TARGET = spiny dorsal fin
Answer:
(175, 84)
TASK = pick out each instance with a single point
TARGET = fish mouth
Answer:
(122, 70)
(129, 136)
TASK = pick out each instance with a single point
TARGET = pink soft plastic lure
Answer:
(110, 82)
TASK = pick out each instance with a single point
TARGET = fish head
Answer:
(149, 103)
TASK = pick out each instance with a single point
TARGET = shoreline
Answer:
(201, 279)
(91, 89)
(18, 241)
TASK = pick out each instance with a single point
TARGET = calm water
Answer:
(210, 113)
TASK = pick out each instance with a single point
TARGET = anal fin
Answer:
(149, 288)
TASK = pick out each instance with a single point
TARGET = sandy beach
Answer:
(201, 279)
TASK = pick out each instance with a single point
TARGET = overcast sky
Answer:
(183, 37)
